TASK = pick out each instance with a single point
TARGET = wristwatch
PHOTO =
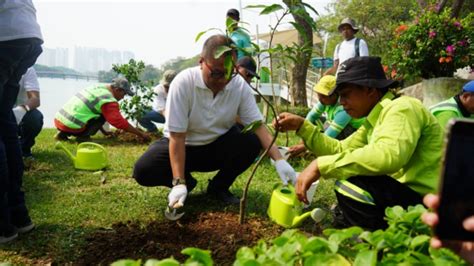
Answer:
(178, 181)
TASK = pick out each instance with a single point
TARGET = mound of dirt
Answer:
(219, 232)
(124, 136)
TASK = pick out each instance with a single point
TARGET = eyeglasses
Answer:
(217, 74)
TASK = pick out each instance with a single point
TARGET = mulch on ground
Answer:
(219, 232)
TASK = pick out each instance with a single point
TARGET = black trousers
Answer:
(16, 57)
(231, 154)
(386, 192)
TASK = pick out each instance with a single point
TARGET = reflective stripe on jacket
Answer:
(84, 106)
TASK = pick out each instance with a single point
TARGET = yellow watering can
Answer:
(89, 156)
(286, 210)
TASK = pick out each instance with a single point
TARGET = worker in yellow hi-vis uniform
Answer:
(393, 159)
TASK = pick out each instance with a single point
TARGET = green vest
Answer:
(448, 105)
(84, 106)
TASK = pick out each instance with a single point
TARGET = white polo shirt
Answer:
(192, 108)
(28, 82)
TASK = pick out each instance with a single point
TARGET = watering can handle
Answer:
(92, 144)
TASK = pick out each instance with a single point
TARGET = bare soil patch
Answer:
(219, 232)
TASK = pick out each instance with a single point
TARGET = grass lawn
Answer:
(67, 205)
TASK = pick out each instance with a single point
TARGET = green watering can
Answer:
(286, 210)
(89, 156)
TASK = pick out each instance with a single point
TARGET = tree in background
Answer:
(377, 21)
(305, 26)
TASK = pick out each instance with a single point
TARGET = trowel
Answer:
(170, 212)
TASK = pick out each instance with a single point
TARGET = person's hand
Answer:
(296, 150)
(465, 249)
(285, 171)
(177, 196)
(287, 121)
(19, 113)
(309, 175)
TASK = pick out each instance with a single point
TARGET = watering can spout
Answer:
(60, 146)
(297, 220)
(316, 214)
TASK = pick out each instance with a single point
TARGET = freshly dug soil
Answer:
(124, 136)
(219, 232)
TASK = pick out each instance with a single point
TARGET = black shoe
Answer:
(223, 195)
(61, 136)
(8, 235)
(191, 184)
(83, 138)
(23, 229)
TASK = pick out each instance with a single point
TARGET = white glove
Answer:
(285, 171)
(19, 113)
(177, 196)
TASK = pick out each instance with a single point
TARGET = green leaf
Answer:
(270, 9)
(419, 240)
(252, 126)
(198, 36)
(221, 50)
(310, 7)
(366, 258)
(245, 253)
(255, 6)
(165, 262)
(198, 255)
(229, 66)
(327, 260)
(127, 262)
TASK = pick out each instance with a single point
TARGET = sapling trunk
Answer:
(243, 200)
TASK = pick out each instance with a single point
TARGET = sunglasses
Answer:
(217, 74)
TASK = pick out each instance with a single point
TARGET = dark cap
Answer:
(122, 83)
(248, 63)
(364, 71)
(233, 13)
(350, 22)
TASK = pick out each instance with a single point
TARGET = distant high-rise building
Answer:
(88, 59)
(54, 57)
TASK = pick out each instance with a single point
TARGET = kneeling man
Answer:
(200, 132)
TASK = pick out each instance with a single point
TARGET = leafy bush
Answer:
(405, 241)
(435, 45)
(135, 106)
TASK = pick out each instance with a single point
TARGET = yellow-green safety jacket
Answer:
(84, 106)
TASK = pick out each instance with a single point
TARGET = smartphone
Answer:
(457, 181)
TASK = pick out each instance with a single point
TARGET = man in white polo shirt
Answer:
(200, 131)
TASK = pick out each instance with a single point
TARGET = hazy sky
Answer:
(154, 30)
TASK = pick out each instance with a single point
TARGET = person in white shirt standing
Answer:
(157, 114)
(350, 47)
(200, 131)
(28, 117)
(20, 46)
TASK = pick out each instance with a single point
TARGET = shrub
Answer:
(434, 45)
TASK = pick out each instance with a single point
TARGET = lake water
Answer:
(55, 92)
